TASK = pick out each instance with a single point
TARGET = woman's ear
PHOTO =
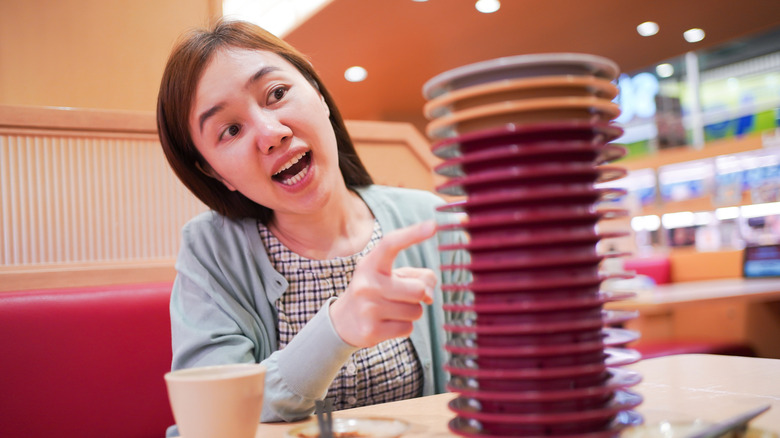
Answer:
(208, 171)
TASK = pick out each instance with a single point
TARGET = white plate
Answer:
(370, 427)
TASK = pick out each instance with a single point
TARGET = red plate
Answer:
(616, 378)
(529, 339)
(623, 400)
(531, 257)
(515, 414)
(553, 323)
(534, 176)
(512, 154)
(519, 198)
(615, 357)
(541, 279)
(603, 405)
(505, 320)
(595, 334)
(511, 237)
(533, 362)
(471, 428)
(611, 337)
(551, 216)
(532, 280)
(536, 302)
(531, 133)
(487, 405)
(548, 257)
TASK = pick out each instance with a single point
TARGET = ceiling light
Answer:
(648, 28)
(279, 17)
(355, 74)
(664, 70)
(488, 6)
(693, 35)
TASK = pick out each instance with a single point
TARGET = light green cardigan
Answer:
(222, 305)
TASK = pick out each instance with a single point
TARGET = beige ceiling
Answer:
(403, 43)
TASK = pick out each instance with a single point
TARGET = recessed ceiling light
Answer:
(355, 74)
(664, 70)
(648, 28)
(420, 1)
(693, 35)
(487, 6)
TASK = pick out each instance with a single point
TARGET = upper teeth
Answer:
(290, 163)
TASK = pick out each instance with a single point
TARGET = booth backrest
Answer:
(86, 362)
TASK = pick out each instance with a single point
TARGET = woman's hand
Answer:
(380, 302)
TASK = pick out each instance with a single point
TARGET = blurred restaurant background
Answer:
(88, 199)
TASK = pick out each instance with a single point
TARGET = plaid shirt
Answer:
(386, 372)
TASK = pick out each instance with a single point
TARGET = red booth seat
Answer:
(86, 362)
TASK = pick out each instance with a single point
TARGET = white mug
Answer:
(217, 401)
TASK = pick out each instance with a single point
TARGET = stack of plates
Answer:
(526, 142)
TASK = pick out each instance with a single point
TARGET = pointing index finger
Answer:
(392, 243)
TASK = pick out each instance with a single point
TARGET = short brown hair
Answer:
(185, 66)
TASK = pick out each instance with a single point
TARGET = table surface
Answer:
(695, 292)
(707, 387)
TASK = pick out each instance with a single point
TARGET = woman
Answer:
(304, 264)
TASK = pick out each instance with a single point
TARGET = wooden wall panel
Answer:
(87, 197)
(78, 198)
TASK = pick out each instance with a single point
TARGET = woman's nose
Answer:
(271, 132)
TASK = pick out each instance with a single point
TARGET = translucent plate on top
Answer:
(520, 66)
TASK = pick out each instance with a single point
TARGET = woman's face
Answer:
(264, 131)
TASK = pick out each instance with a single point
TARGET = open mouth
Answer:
(294, 170)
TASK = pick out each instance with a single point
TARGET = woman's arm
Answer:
(216, 318)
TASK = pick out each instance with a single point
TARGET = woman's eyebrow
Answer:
(260, 73)
(208, 113)
(218, 107)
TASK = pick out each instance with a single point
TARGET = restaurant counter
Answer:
(736, 311)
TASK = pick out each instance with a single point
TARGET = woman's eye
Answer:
(277, 94)
(231, 131)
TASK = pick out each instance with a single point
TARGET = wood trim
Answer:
(397, 132)
(77, 119)
(393, 132)
(73, 133)
(85, 275)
